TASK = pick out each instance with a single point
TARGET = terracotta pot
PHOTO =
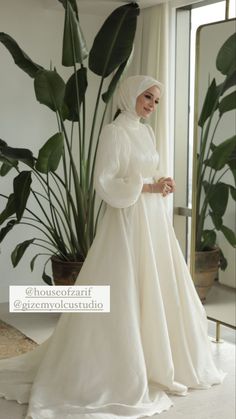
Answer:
(65, 272)
(206, 271)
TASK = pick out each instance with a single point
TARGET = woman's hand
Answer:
(169, 185)
(164, 186)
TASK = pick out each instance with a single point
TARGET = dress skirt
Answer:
(124, 364)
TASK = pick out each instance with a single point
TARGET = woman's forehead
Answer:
(153, 90)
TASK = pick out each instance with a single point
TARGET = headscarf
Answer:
(131, 88)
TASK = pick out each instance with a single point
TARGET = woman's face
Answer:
(147, 102)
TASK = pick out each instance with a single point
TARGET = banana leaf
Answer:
(50, 89)
(217, 220)
(21, 186)
(229, 235)
(21, 59)
(5, 230)
(9, 209)
(113, 44)
(79, 79)
(209, 103)
(228, 103)
(208, 239)
(221, 153)
(74, 48)
(50, 154)
(112, 86)
(226, 58)
(19, 251)
(19, 154)
(218, 199)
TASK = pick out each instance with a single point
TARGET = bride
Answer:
(153, 343)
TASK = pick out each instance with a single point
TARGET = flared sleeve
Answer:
(113, 183)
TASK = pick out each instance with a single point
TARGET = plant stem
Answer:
(93, 128)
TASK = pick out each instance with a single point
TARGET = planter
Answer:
(206, 271)
(65, 272)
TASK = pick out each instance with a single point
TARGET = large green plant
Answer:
(214, 161)
(66, 218)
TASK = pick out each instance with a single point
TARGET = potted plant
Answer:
(213, 162)
(60, 183)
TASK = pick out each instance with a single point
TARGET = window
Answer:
(188, 19)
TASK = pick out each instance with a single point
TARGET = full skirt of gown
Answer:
(124, 364)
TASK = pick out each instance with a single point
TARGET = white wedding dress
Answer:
(154, 341)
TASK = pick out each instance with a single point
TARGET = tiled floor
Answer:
(216, 403)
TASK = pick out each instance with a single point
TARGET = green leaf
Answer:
(217, 220)
(232, 164)
(113, 43)
(21, 185)
(9, 210)
(233, 192)
(21, 59)
(76, 80)
(5, 168)
(19, 251)
(50, 154)
(208, 239)
(229, 235)
(226, 61)
(223, 261)
(209, 103)
(73, 5)
(112, 86)
(206, 186)
(74, 47)
(47, 278)
(50, 89)
(5, 230)
(2, 143)
(228, 103)
(18, 154)
(229, 81)
(221, 153)
(32, 262)
(218, 198)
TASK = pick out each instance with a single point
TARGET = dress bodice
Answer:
(140, 151)
(126, 157)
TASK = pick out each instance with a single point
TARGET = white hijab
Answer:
(131, 88)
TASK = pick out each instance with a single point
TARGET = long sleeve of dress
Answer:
(112, 182)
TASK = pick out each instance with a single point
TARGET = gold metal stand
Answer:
(217, 338)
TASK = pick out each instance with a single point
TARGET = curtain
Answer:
(151, 57)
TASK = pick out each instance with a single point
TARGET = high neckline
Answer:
(131, 118)
(132, 115)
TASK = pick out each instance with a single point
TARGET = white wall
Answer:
(23, 121)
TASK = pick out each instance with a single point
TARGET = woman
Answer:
(154, 341)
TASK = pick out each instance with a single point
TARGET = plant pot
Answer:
(206, 271)
(65, 272)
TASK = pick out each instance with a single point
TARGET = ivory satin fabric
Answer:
(124, 364)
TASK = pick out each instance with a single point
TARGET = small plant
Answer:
(60, 182)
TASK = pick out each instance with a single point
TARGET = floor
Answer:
(220, 304)
(216, 403)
